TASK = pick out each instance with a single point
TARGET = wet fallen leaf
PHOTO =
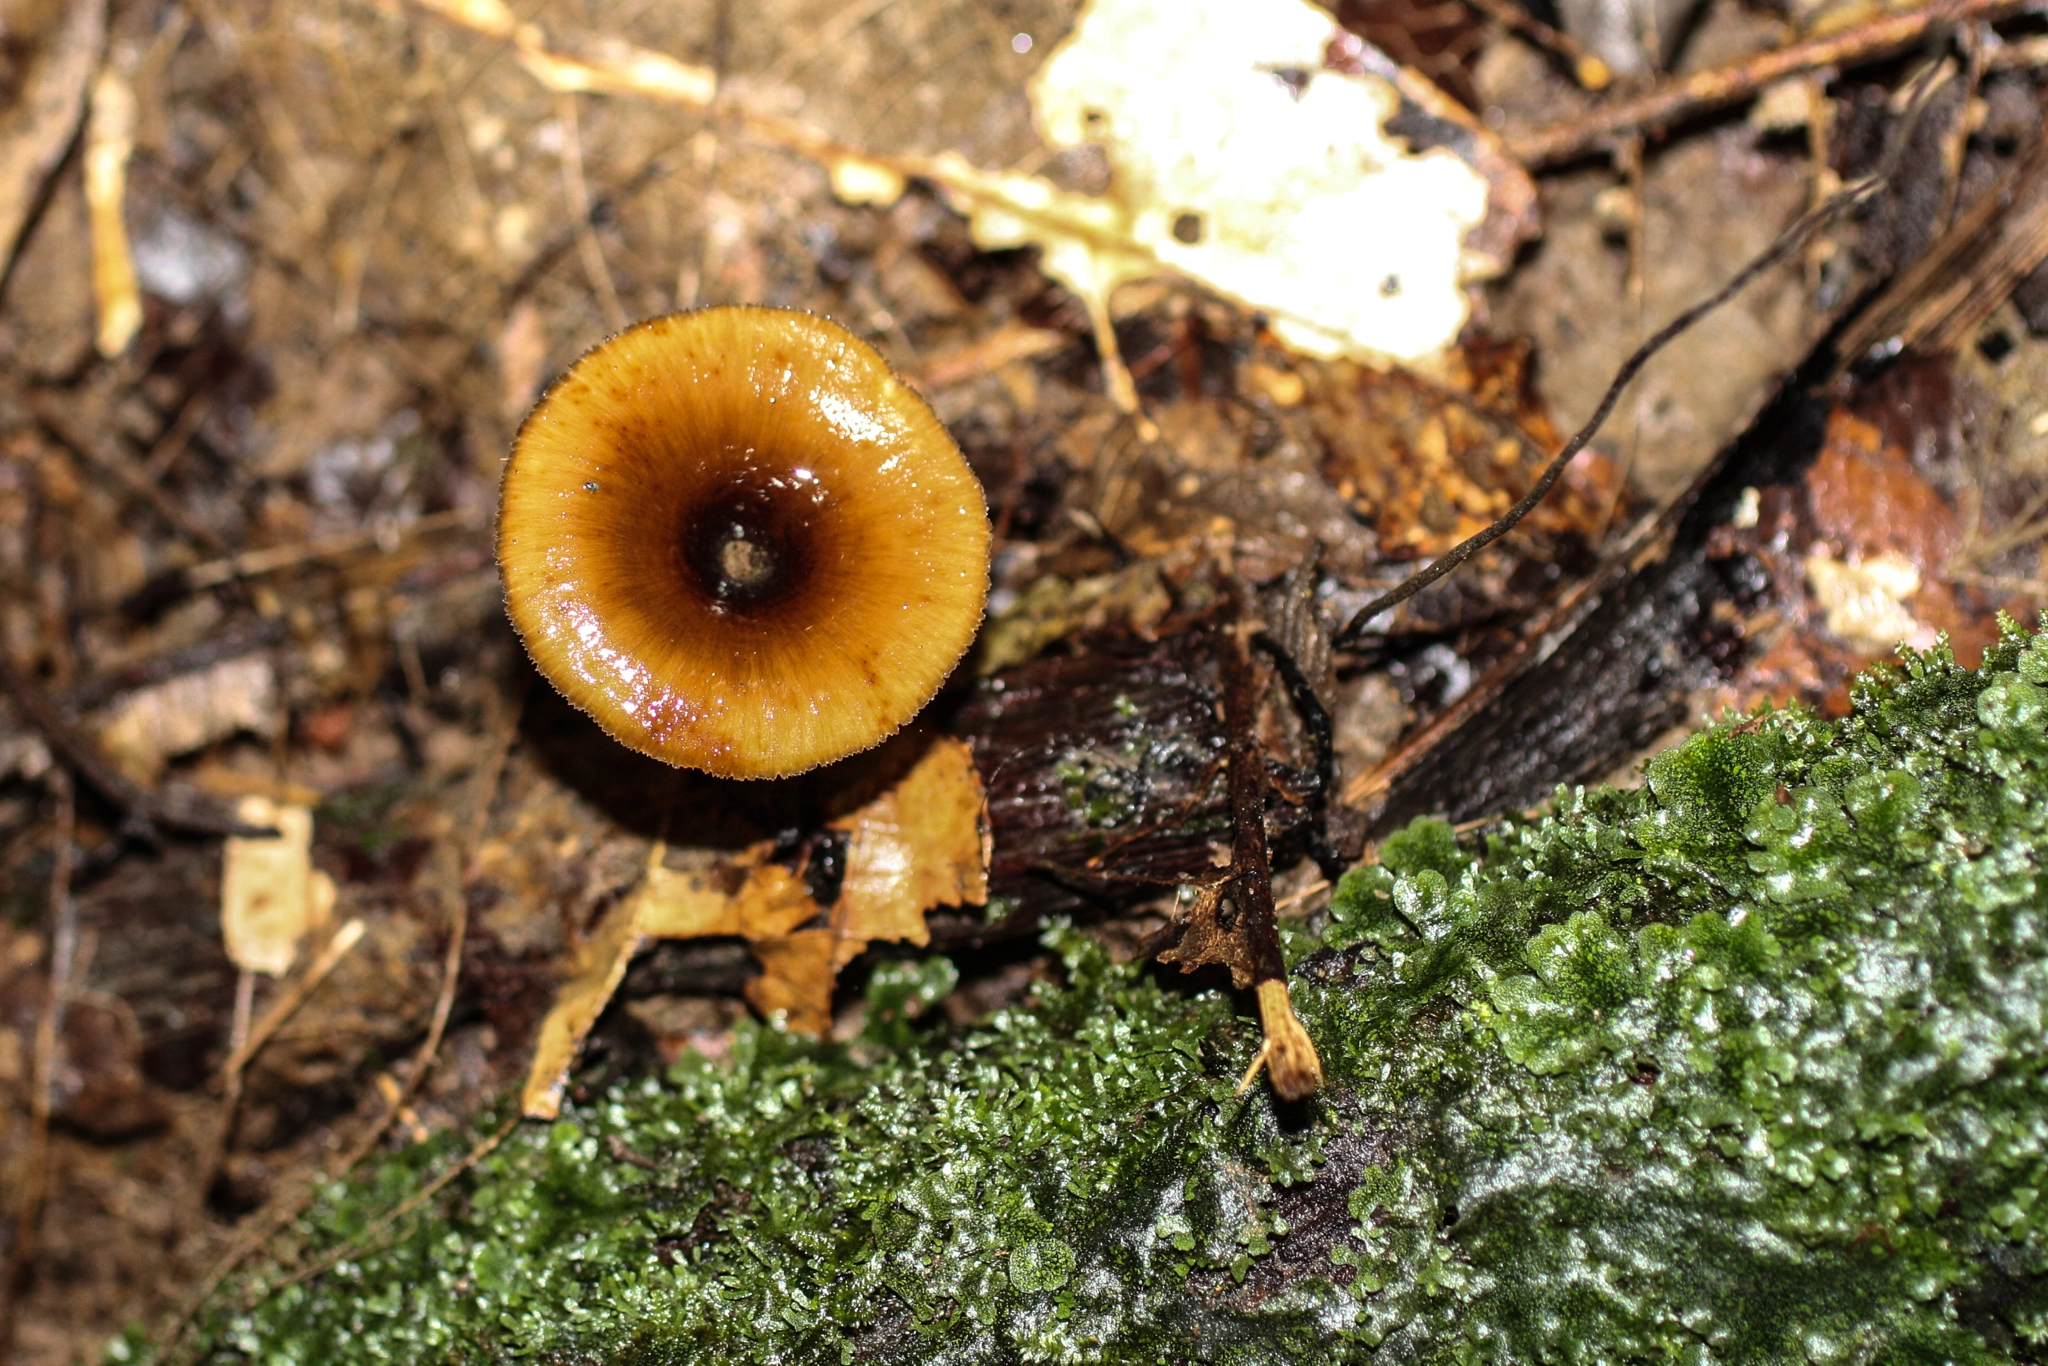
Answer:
(271, 895)
(770, 901)
(596, 968)
(1870, 501)
(923, 843)
(1877, 513)
(797, 973)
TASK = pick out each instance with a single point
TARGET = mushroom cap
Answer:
(740, 542)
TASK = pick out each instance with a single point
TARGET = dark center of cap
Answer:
(750, 547)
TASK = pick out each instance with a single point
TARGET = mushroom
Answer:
(740, 542)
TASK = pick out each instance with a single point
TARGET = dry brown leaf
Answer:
(924, 843)
(59, 45)
(150, 726)
(1202, 938)
(271, 895)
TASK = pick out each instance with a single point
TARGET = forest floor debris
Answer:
(244, 530)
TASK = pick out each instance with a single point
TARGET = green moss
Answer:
(1746, 1065)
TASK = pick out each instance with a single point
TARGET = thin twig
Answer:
(1724, 85)
(587, 244)
(356, 259)
(176, 437)
(355, 1247)
(254, 563)
(249, 1041)
(1313, 889)
(2036, 588)
(267, 1225)
(238, 1026)
(1286, 1051)
(1788, 242)
(282, 1010)
(1588, 69)
(1251, 872)
(1322, 736)
(49, 1030)
(169, 587)
(1628, 155)
(454, 895)
(106, 457)
(1945, 296)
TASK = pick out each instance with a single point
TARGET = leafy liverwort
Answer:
(1747, 1065)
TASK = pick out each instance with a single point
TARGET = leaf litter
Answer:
(350, 287)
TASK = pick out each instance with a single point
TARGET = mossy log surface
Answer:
(1745, 1065)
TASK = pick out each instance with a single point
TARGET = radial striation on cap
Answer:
(741, 543)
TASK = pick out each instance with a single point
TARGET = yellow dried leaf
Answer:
(797, 972)
(600, 964)
(271, 896)
(922, 844)
(109, 139)
(770, 901)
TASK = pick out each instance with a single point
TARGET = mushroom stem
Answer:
(1288, 1054)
